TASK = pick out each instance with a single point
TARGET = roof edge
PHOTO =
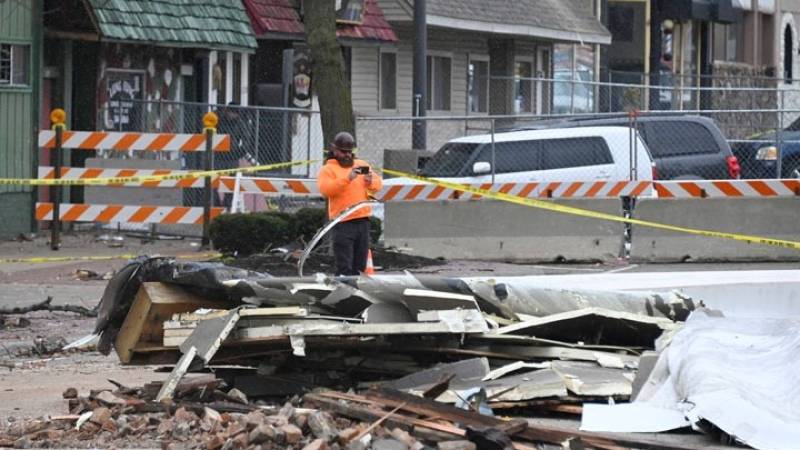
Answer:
(519, 30)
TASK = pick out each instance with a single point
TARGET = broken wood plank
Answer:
(472, 322)
(534, 432)
(424, 429)
(154, 304)
(187, 319)
(177, 373)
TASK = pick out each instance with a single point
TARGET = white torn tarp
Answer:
(736, 373)
(637, 417)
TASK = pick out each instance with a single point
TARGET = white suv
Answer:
(563, 154)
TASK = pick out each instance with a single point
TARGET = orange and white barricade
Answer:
(59, 138)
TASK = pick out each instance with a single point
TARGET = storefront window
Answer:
(573, 71)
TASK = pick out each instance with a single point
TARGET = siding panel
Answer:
(365, 80)
(15, 23)
(393, 11)
(15, 137)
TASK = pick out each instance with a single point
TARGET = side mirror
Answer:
(481, 167)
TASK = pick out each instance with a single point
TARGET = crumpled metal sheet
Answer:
(522, 296)
(737, 373)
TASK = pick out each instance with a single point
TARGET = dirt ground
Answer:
(31, 381)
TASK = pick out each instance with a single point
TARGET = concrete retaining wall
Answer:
(494, 230)
(777, 218)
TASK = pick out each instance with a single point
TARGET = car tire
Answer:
(792, 170)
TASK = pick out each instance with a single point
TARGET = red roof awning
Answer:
(280, 17)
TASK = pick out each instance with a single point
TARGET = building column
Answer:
(212, 92)
(245, 79)
(228, 77)
(654, 67)
(501, 71)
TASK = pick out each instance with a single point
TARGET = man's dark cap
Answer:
(344, 141)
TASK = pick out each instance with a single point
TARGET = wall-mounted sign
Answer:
(301, 79)
(122, 88)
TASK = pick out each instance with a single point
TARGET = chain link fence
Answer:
(259, 136)
(660, 145)
(529, 129)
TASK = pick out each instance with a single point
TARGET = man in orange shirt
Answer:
(346, 181)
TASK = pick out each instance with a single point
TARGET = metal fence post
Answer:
(779, 136)
(308, 142)
(210, 121)
(57, 117)
(119, 114)
(257, 149)
(494, 159)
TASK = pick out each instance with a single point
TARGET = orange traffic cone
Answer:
(370, 269)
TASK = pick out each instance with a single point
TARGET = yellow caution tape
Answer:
(596, 215)
(208, 255)
(146, 179)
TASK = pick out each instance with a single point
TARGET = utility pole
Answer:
(420, 94)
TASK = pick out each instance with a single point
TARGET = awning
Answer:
(721, 11)
(280, 19)
(220, 25)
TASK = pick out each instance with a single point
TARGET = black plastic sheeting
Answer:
(203, 278)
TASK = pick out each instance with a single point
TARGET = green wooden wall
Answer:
(18, 119)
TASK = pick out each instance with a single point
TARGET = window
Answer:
(523, 72)
(478, 79)
(575, 152)
(788, 54)
(438, 83)
(621, 23)
(449, 160)
(14, 65)
(729, 42)
(515, 156)
(573, 67)
(388, 80)
(674, 138)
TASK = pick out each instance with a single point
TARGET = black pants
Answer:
(350, 246)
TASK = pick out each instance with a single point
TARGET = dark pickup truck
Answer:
(760, 155)
(682, 147)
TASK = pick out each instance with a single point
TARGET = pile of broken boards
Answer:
(506, 345)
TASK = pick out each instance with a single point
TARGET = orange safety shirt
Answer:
(334, 183)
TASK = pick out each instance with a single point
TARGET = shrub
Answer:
(307, 221)
(375, 230)
(246, 234)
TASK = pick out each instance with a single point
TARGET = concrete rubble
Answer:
(383, 362)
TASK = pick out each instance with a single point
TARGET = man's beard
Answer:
(345, 161)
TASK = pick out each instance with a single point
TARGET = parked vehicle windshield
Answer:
(449, 160)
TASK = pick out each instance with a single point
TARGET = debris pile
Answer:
(202, 415)
(276, 337)
(386, 362)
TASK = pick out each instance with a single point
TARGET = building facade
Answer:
(20, 44)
